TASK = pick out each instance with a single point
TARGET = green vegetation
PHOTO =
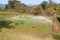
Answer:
(17, 6)
(24, 26)
(25, 29)
(56, 36)
(44, 5)
(37, 9)
(14, 16)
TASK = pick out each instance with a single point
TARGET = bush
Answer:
(37, 10)
(56, 37)
(5, 23)
(18, 22)
(58, 18)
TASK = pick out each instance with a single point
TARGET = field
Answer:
(25, 29)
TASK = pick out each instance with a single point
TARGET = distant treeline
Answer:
(45, 6)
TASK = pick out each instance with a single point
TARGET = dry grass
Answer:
(24, 32)
(27, 31)
(13, 34)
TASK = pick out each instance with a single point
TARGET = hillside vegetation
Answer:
(19, 21)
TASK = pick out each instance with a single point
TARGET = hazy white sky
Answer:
(29, 1)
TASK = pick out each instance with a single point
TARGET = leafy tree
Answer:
(52, 5)
(44, 5)
(55, 7)
(11, 4)
(37, 9)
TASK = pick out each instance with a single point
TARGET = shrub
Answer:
(56, 37)
(19, 22)
(5, 23)
(37, 9)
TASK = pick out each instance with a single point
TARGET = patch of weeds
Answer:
(5, 23)
(43, 27)
(17, 22)
(56, 37)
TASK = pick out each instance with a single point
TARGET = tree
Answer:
(11, 4)
(37, 9)
(44, 5)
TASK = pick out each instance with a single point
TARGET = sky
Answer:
(28, 2)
